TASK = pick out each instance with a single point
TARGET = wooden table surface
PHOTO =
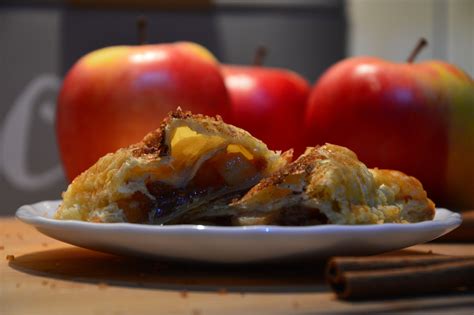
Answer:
(51, 277)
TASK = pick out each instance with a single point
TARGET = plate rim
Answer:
(29, 214)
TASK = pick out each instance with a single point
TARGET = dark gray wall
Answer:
(306, 39)
(29, 81)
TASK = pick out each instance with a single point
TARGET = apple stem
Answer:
(422, 42)
(260, 54)
(142, 28)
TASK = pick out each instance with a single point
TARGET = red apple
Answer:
(113, 96)
(269, 103)
(417, 118)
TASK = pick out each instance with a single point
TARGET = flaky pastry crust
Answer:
(328, 184)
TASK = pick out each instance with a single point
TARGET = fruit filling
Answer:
(233, 168)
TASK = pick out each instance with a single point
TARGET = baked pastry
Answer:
(192, 162)
(328, 184)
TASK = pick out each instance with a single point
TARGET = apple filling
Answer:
(229, 171)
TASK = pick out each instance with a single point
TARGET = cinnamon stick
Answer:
(416, 280)
(339, 265)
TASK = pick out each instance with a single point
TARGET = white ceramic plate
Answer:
(236, 244)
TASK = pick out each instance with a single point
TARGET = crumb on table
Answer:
(102, 285)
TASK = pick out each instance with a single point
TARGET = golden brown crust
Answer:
(301, 165)
(406, 187)
(408, 191)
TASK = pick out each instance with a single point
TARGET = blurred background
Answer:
(40, 40)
